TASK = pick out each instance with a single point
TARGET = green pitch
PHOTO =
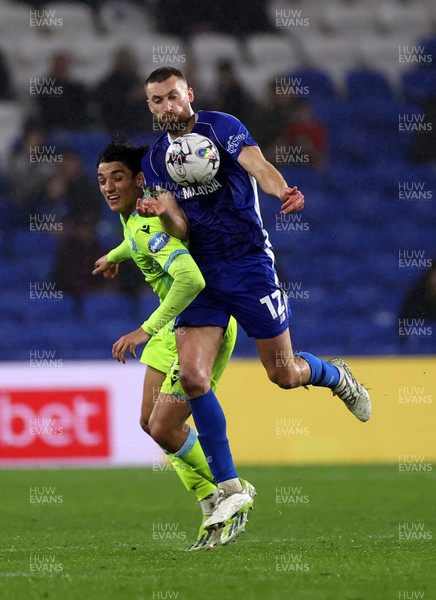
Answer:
(327, 533)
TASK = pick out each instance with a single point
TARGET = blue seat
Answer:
(363, 337)
(423, 341)
(87, 144)
(419, 84)
(367, 84)
(380, 115)
(364, 298)
(47, 310)
(28, 243)
(19, 340)
(96, 352)
(71, 334)
(10, 275)
(98, 305)
(332, 111)
(35, 267)
(15, 304)
(428, 46)
(320, 84)
(417, 183)
(304, 177)
(352, 181)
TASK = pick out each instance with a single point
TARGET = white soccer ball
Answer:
(192, 159)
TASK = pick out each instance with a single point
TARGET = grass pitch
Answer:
(317, 533)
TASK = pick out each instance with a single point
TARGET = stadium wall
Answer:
(87, 413)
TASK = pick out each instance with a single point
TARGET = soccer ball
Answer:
(192, 159)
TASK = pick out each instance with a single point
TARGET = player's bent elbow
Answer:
(201, 284)
(144, 425)
(196, 283)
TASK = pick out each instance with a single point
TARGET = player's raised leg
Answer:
(282, 366)
(289, 370)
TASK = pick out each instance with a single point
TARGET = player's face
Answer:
(119, 186)
(170, 102)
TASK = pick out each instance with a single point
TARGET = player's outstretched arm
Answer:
(270, 179)
(165, 206)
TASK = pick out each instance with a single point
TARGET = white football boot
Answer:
(229, 504)
(352, 393)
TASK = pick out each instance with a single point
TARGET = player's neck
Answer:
(126, 215)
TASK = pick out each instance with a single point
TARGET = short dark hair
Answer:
(164, 73)
(118, 150)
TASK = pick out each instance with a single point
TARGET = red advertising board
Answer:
(54, 423)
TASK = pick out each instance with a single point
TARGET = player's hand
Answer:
(129, 342)
(292, 200)
(153, 206)
(149, 207)
(109, 270)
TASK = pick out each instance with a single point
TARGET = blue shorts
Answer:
(246, 287)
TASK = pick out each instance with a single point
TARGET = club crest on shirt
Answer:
(158, 241)
(233, 142)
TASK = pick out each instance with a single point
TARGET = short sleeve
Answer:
(232, 134)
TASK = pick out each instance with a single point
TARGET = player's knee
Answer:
(286, 379)
(159, 432)
(194, 381)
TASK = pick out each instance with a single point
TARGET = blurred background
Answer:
(341, 96)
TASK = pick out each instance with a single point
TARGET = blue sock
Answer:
(211, 426)
(322, 373)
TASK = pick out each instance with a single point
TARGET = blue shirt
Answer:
(224, 214)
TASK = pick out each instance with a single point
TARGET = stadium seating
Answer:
(419, 84)
(318, 82)
(366, 84)
(346, 258)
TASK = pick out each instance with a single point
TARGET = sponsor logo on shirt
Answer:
(200, 190)
(234, 141)
(158, 241)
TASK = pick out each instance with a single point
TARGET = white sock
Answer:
(231, 485)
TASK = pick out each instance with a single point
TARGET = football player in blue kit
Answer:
(232, 249)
